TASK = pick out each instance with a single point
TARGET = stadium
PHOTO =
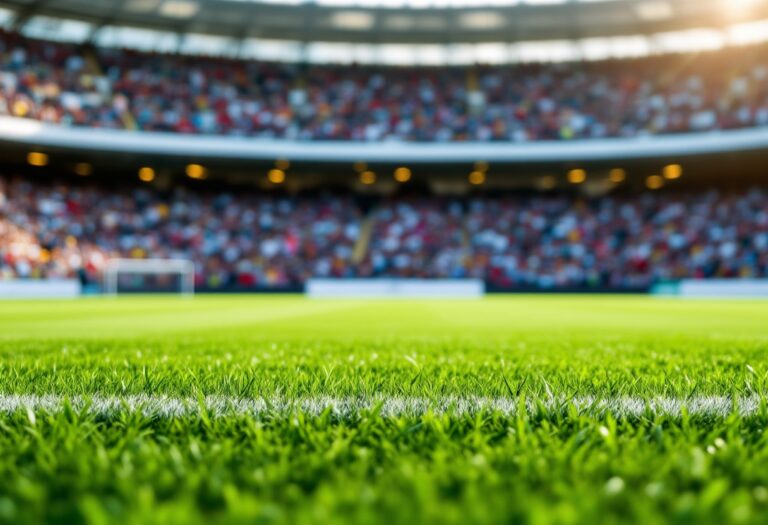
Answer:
(369, 261)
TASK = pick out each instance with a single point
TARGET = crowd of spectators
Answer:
(116, 88)
(235, 241)
(618, 242)
(417, 238)
(248, 241)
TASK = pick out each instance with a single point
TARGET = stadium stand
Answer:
(256, 241)
(59, 231)
(56, 82)
(250, 240)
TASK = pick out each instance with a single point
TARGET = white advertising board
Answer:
(724, 288)
(42, 289)
(395, 288)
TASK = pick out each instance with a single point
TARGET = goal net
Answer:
(149, 276)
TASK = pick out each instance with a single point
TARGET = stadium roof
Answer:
(397, 21)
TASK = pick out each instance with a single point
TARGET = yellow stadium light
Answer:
(146, 174)
(673, 171)
(360, 166)
(577, 176)
(83, 169)
(617, 175)
(402, 174)
(368, 177)
(35, 158)
(654, 182)
(196, 171)
(282, 164)
(476, 178)
(276, 176)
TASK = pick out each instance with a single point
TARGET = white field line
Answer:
(351, 407)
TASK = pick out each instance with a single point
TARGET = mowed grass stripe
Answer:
(355, 407)
(296, 318)
(142, 317)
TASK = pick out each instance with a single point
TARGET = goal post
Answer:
(183, 268)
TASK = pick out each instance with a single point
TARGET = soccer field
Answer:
(524, 409)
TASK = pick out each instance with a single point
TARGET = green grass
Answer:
(82, 439)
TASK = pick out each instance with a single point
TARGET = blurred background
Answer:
(268, 145)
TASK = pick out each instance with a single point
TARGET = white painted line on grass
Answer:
(351, 407)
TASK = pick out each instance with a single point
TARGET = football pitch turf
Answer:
(519, 409)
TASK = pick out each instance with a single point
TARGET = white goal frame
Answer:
(185, 268)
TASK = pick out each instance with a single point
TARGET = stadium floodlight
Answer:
(143, 268)
(37, 159)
